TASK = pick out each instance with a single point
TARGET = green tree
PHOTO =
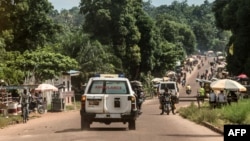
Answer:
(27, 23)
(166, 57)
(232, 15)
(43, 65)
(176, 33)
(113, 23)
(147, 43)
(9, 72)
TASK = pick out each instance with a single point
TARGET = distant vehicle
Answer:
(219, 53)
(210, 53)
(108, 98)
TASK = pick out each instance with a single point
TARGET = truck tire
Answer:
(85, 125)
(131, 125)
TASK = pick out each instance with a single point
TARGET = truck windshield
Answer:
(108, 87)
(167, 85)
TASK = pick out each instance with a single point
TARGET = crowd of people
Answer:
(221, 99)
(216, 99)
(213, 71)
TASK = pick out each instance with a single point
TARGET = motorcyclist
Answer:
(164, 99)
(188, 89)
(140, 97)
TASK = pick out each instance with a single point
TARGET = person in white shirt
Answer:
(221, 99)
(212, 99)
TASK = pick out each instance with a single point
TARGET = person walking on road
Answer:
(183, 82)
(25, 99)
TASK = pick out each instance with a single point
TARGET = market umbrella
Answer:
(157, 80)
(136, 83)
(227, 84)
(221, 57)
(166, 78)
(242, 76)
(221, 66)
(46, 87)
(219, 53)
(171, 73)
(190, 59)
(210, 51)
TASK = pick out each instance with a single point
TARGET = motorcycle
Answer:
(167, 107)
(166, 104)
(37, 105)
(188, 92)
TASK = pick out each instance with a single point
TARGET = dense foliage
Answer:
(234, 15)
(109, 36)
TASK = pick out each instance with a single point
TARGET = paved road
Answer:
(151, 126)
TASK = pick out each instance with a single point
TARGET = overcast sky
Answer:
(68, 4)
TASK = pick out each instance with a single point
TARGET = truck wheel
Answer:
(85, 125)
(131, 125)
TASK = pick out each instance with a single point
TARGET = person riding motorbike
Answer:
(166, 100)
(37, 104)
(140, 97)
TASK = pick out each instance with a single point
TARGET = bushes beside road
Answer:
(236, 113)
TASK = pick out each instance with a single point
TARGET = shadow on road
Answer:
(93, 129)
(191, 135)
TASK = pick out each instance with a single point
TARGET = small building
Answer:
(65, 94)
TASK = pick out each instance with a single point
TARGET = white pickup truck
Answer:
(172, 87)
(108, 98)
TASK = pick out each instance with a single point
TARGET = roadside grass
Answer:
(15, 119)
(236, 113)
(11, 119)
(75, 106)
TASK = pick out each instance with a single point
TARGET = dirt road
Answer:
(151, 126)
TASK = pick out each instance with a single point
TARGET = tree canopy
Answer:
(109, 36)
(233, 15)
